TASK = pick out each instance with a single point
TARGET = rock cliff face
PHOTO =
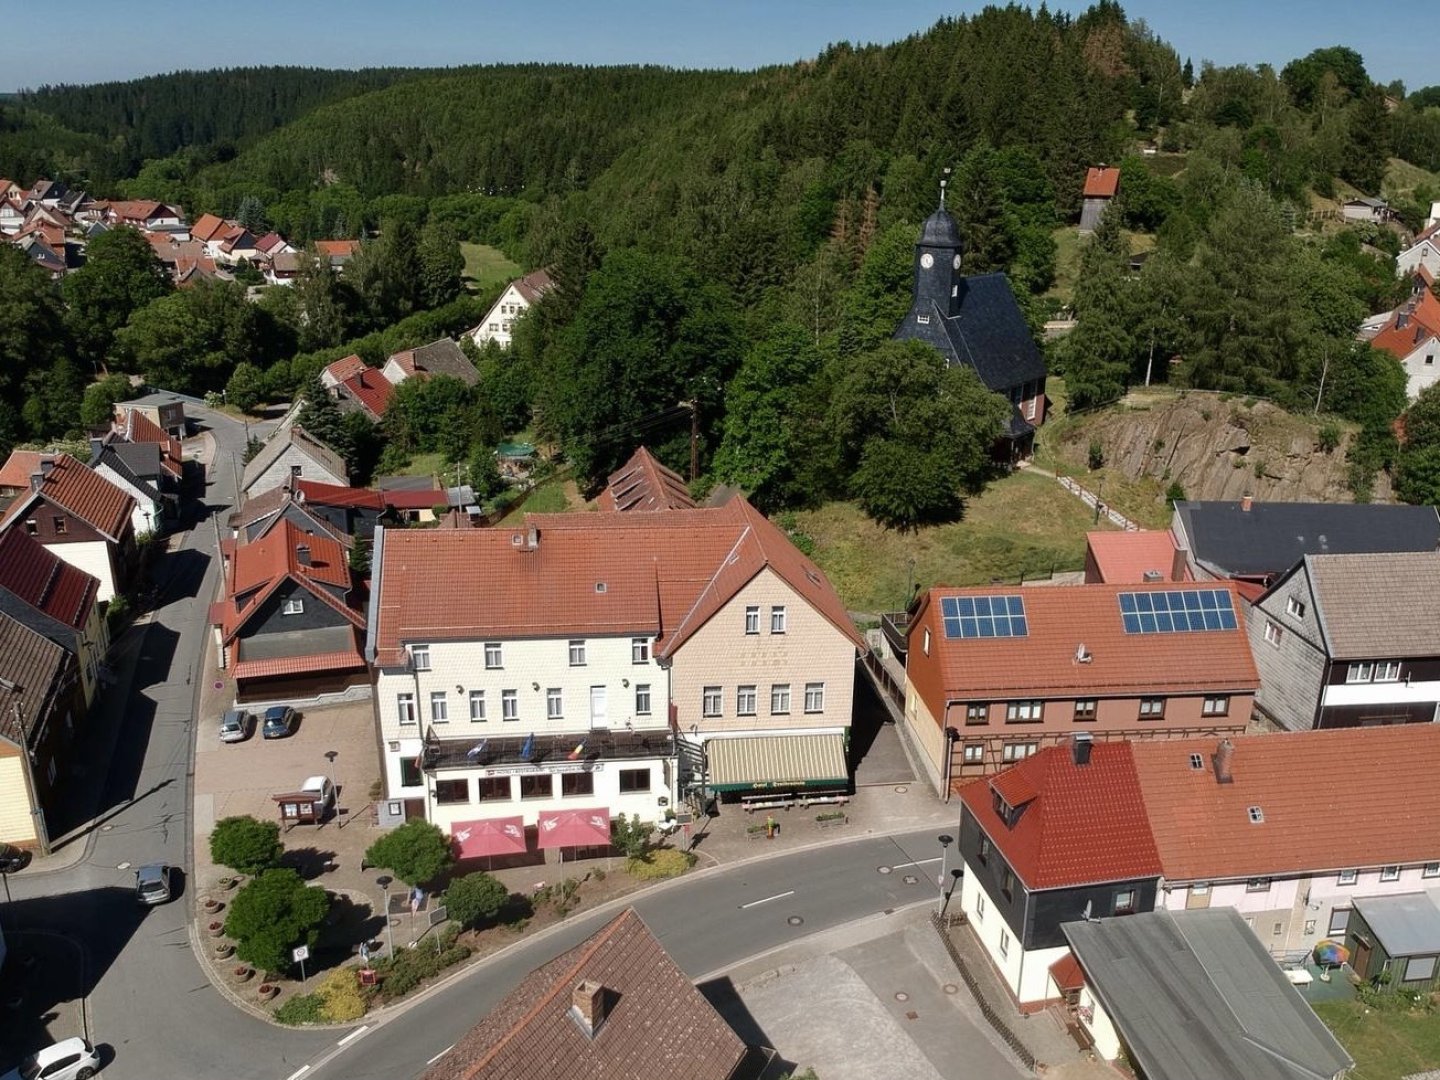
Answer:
(1214, 448)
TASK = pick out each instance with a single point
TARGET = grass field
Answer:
(1385, 1045)
(1068, 246)
(1402, 178)
(486, 266)
(424, 465)
(1022, 524)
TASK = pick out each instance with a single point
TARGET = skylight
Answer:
(1196, 761)
(1177, 611)
(984, 616)
(1257, 816)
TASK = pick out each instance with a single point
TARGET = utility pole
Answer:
(694, 406)
(1324, 370)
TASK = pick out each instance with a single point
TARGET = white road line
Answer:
(921, 862)
(441, 1054)
(354, 1034)
(777, 896)
(301, 1071)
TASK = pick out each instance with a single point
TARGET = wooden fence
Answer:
(995, 1019)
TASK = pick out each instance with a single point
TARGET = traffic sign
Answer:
(300, 953)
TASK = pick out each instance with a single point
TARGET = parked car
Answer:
(154, 884)
(13, 859)
(321, 786)
(236, 725)
(279, 722)
(70, 1059)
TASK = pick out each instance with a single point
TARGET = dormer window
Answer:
(1257, 815)
(923, 320)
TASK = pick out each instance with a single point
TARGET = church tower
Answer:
(937, 262)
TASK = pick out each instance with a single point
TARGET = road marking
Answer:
(354, 1034)
(301, 1071)
(920, 862)
(441, 1054)
(777, 896)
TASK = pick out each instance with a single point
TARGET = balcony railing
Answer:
(486, 751)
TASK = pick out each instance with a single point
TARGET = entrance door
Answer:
(1361, 961)
(597, 707)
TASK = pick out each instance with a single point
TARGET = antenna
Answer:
(944, 180)
(1086, 913)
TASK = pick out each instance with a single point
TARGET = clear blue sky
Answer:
(96, 40)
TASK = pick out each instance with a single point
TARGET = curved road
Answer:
(155, 1013)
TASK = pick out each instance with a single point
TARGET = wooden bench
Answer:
(752, 805)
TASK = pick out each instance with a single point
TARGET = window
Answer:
(1295, 607)
(777, 620)
(1257, 815)
(1030, 409)
(1004, 944)
(633, 780)
(814, 697)
(295, 470)
(979, 907)
(639, 650)
(1125, 902)
(537, 786)
(1152, 708)
(410, 775)
(294, 605)
(452, 791)
(1387, 671)
(577, 783)
(1017, 751)
(31, 527)
(405, 708)
(493, 789)
(1419, 969)
(1347, 877)
(1200, 888)
(554, 704)
(1259, 884)
(492, 655)
(977, 712)
(577, 654)
(925, 641)
(1273, 633)
(1215, 706)
(420, 657)
(752, 619)
(1007, 883)
(1085, 709)
(745, 701)
(710, 701)
(1024, 712)
(1359, 673)
(1197, 761)
(1432, 869)
(974, 753)
(1277, 929)
(439, 708)
(477, 705)
(779, 699)
(1390, 873)
(984, 853)
(642, 699)
(1309, 927)
(923, 320)
(1339, 921)
(509, 705)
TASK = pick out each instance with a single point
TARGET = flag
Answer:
(527, 751)
(478, 749)
(579, 749)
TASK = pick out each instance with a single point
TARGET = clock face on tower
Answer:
(927, 260)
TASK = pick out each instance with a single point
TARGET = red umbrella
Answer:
(490, 836)
(574, 828)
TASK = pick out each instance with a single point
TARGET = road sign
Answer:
(300, 953)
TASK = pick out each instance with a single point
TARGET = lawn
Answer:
(1402, 178)
(1068, 248)
(424, 465)
(1023, 524)
(486, 266)
(1385, 1045)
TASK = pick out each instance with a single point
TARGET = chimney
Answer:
(1223, 753)
(532, 538)
(1178, 562)
(302, 554)
(1151, 576)
(1245, 503)
(587, 1001)
(1081, 744)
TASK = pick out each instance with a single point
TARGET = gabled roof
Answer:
(208, 226)
(46, 582)
(304, 443)
(442, 357)
(269, 242)
(277, 505)
(1202, 827)
(143, 210)
(1059, 620)
(19, 467)
(32, 668)
(534, 285)
(134, 426)
(346, 367)
(81, 491)
(656, 1025)
(140, 487)
(313, 491)
(1410, 325)
(1078, 824)
(1194, 994)
(1101, 182)
(1126, 557)
(643, 483)
(1377, 606)
(662, 574)
(257, 569)
(337, 251)
(1271, 537)
(370, 390)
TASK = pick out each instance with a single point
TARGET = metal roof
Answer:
(777, 761)
(1407, 924)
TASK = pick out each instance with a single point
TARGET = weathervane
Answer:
(944, 179)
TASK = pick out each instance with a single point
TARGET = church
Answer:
(976, 321)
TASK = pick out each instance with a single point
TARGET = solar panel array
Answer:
(1177, 611)
(984, 616)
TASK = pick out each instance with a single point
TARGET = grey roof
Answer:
(445, 357)
(1271, 537)
(109, 458)
(1382, 605)
(158, 397)
(1195, 996)
(1407, 925)
(141, 458)
(33, 668)
(988, 332)
(47, 626)
(940, 230)
(304, 442)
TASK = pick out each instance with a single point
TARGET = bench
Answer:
(816, 800)
(751, 805)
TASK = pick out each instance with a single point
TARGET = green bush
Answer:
(656, 865)
(417, 852)
(475, 898)
(1096, 455)
(1329, 436)
(302, 1009)
(340, 991)
(246, 844)
(1174, 493)
(407, 969)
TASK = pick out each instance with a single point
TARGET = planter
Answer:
(266, 991)
(212, 905)
(224, 950)
(242, 972)
(215, 928)
(228, 883)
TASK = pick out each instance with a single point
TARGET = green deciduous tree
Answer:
(417, 852)
(33, 338)
(475, 899)
(246, 385)
(441, 266)
(272, 914)
(246, 844)
(121, 275)
(98, 405)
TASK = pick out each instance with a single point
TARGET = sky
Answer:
(165, 35)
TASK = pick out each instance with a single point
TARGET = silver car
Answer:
(236, 725)
(154, 884)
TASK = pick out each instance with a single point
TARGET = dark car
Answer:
(13, 859)
(154, 884)
(279, 722)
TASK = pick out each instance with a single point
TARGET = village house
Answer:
(292, 454)
(1412, 336)
(258, 515)
(337, 252)
(135, 426)
(1422, 254)
(1102, 184)
(441, 357)
(519, 297)
(148, 215)
(165, 411)
(643, 483)
(1132, 557)
(1366, 208)
(994, 674)
(150, 505)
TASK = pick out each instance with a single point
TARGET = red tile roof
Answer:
(334, 248)
(82, 491)
(19, 467)
(207, 226)
(334, 495)
(1066, 973)
(1060, 620)
(134, 426)
(643, 483)
(1083, 824)
(269, 242)
(45, 581)
(1422, 320)
(1101, 183)
(346, 367)
(657, 1025)
(298, 665)
(256, 569)
(1125, 557)
(664, 573)
(372, 390)
(1317, 817)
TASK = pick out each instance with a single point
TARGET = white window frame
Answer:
(405, 709)
(780, 699)
(509, 705)
(1273, 633)
(1360, 672)
(746, 700)
(1387, 670)
(777, 619)
(420, 657)
(979, 907)
(1216, 705)
(642, 699)
(1258, 885)
(1432, 869)
(1339, 921)
(554, 703)
(1390, 873)
(1295, 608)
(577, 652)
(814, 697)
(639, 650)
(1424, 974)
(294, 605)
(1347, 877)
(712, 702)
(1030, 711)
(752, 619)
(494, 656)
(477, 698)
(439, 707)
(1126, 908)
(925, 641)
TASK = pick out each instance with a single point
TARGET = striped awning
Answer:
(776, 761)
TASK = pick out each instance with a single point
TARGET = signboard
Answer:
(300, 953)
(555, 767)
(438, 915)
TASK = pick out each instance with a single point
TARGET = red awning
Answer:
(492, 836)
(575, 828)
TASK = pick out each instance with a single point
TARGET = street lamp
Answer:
(945, 841)
(330, 756)
(384, 881)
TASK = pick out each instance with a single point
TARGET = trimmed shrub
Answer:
(340, 991)
(656, 865)
(301, 1009)
(475, 898)
(246, 844)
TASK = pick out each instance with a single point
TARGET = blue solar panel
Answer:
(1178, 611)
(984, 616)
